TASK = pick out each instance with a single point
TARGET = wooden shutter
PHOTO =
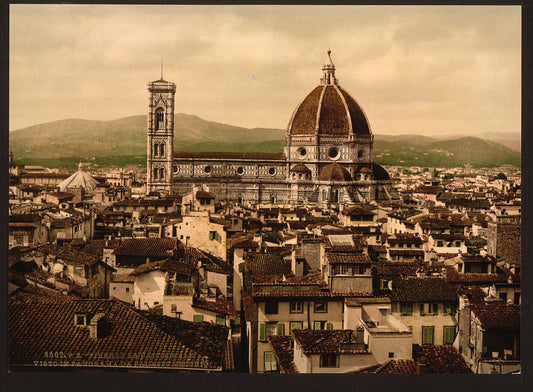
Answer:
(318, 325)
(427, 335)
(329, 326)
(262, 331)
(198, 318)
(281, 329)
(449, 335)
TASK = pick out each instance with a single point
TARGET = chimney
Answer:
(359, 338)
(422, 366)
(97, 325)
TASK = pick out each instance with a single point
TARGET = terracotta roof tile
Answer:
(422, 289)
(443, 359)
(263, 156)
(497, 315)
(267, 264)
(154, 247)
(130, 339)
(392, 366)
(284, 353)
(219, 306)
(348, 258)
(321, 341)
(67, 254)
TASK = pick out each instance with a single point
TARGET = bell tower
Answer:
(160, 136)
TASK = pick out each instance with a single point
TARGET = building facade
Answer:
(327, 157)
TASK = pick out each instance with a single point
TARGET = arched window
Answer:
(159, 119)
(336, 196)
(162, 173)
(155, 173)
(162, 149)
(155, 150)
(272, 200)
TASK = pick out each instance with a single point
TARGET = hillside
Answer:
(123, 141)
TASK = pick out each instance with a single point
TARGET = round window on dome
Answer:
(207, 169)
(302, 152)
(240, 170)
(272, 171)
(175, 169)
(333, 153)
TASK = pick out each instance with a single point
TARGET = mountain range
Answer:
(64, 143)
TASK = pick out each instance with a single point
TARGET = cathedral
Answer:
(327, 158)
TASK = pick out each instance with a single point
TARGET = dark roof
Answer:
(267, 264)
(130, 339)
(379, 172)
(348, 258)
(322, 341)
(405, 238)
(284, 353)
(300, 167)
(422, 289)
(167, 265)
(158, 247)
(497, 315)
(443, 359)
(334, 172)
(262, 156)
(204, 195)
(313, 279)
(96, 246)
(302, 291)
(121, 278)
(392, 366)
(68, 255)
(219, 306)
(330, 110)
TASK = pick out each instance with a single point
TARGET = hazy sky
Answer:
(430, 70)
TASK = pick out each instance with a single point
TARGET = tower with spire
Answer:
(160, 135)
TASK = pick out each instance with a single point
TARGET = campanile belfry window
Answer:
(159, 119)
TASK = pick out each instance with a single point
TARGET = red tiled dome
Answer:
(334, 172)
(328, 109)
(332, 111)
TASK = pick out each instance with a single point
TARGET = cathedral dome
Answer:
(334, 172)
(328, 110)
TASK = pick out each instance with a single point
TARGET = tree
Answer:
(501, 176)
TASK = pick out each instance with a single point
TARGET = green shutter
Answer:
(198, 318)
(449, 335)
(281, 329)
(317, 325)
(221, 320)
(262, 331)
(296, 325)
(329, 326)
(435, 309)
(427, 335)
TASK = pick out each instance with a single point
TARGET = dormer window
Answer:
(81, 319)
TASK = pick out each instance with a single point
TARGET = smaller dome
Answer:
(334, 172)
(300, 168)
(379, 172)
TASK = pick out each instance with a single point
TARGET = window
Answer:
(449, 308)
(440, 243)
(198, 318)
(428, 335)
(281, 329)
(114, 287)
(449, 335)
(270, 362)
(427, 309)
(296, 307)
(302, 151)
(320, 325)
(159, 119)
(240, 170)
(272, 171)
(329, 360)
(333, 152)
(207, 169)
(321, 306)
(341, 269)
(271, 307)
(173, 308)
(503, 296)
(221, 320)
(127, 289)
(458, 243)
(271, 329)
(391, 355)
(407, 309)
(80, 319)
(296, 325)
(212, 235)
